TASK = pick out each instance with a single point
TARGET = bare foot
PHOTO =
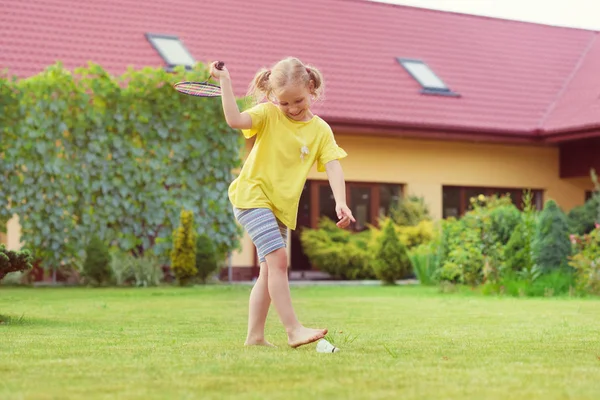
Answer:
(302, 336)
(260, 342)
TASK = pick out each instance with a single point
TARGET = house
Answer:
(437, 104)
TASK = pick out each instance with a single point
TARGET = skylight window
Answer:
(430, 82)
(171, 50)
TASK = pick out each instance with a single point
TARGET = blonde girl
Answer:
(266, 194)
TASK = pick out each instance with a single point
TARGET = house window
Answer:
(171, 50)
(588, 194)
(428, 80)
(456, 199)
(389, 195)
(367, 201)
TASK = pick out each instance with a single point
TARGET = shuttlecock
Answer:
(323, 346)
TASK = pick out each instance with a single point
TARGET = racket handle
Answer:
(219, 65)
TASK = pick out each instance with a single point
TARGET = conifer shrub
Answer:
(183, 253)
(14, 261)
(391, 261)
(552, 246)
(518, 250)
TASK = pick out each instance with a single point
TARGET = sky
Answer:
(570, 13)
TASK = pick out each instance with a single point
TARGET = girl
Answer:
(266, 194)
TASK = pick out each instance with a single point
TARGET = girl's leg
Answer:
(270, 239)
(258, 309)
(279, 291)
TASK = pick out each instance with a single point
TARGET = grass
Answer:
(396, 342)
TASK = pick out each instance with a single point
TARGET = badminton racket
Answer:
(200, 89)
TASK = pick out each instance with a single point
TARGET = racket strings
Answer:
(198, 89)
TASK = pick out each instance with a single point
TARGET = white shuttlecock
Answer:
(323, 346)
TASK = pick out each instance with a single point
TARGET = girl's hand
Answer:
(218, 73)
(344, 215)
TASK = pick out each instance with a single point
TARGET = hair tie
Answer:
(308, 70)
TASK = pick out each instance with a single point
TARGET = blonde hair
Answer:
(290, 70)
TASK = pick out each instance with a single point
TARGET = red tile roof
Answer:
(514, 78)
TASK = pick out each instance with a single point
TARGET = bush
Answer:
(183, 254)
(338, 252)
(415, 235)
(410, 211)
(465, 263)
(582, 218)
(14, 261)
(586, 261)
(206, 257)
(391, 260)
(551, 247)
(518, 250)
(450, 237)
(96, 267)
(410, 235)
(503, 221)
(130, 270)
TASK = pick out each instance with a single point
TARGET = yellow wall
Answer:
(426, 165)
(12, 239)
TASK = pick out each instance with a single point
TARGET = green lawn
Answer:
(410, 343)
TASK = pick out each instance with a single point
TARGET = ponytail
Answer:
(260, 87)
(315, 75)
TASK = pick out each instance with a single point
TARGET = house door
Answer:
(299, 261)
(316, 201)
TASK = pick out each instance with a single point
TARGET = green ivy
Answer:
(117, 157)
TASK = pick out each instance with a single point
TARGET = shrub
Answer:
(146, 269)
(206, 257)
(551, 247)
(503, 221)
(465, 263)
(586, 261)
(14, 261)
(183, 254)
(410, 211)
(450, 237)
(410, 235)
(96, 267)
(143, 270)
(391, 260)
(582, 218)
(415, 235)
(518, 250)
(338, 252)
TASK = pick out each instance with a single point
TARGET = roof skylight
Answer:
(171, 50)
(421, 72)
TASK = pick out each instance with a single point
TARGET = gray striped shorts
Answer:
(266, 231)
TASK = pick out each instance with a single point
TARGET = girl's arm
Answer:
(234, 118)
(338, 187)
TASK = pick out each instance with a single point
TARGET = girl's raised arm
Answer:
(233, 116)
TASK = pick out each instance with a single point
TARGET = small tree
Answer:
(183, 255)
(96, 267)
(552, 245)
(391, 258)
(14, 261)
(206, 257)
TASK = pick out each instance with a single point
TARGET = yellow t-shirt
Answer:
(275, 171)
